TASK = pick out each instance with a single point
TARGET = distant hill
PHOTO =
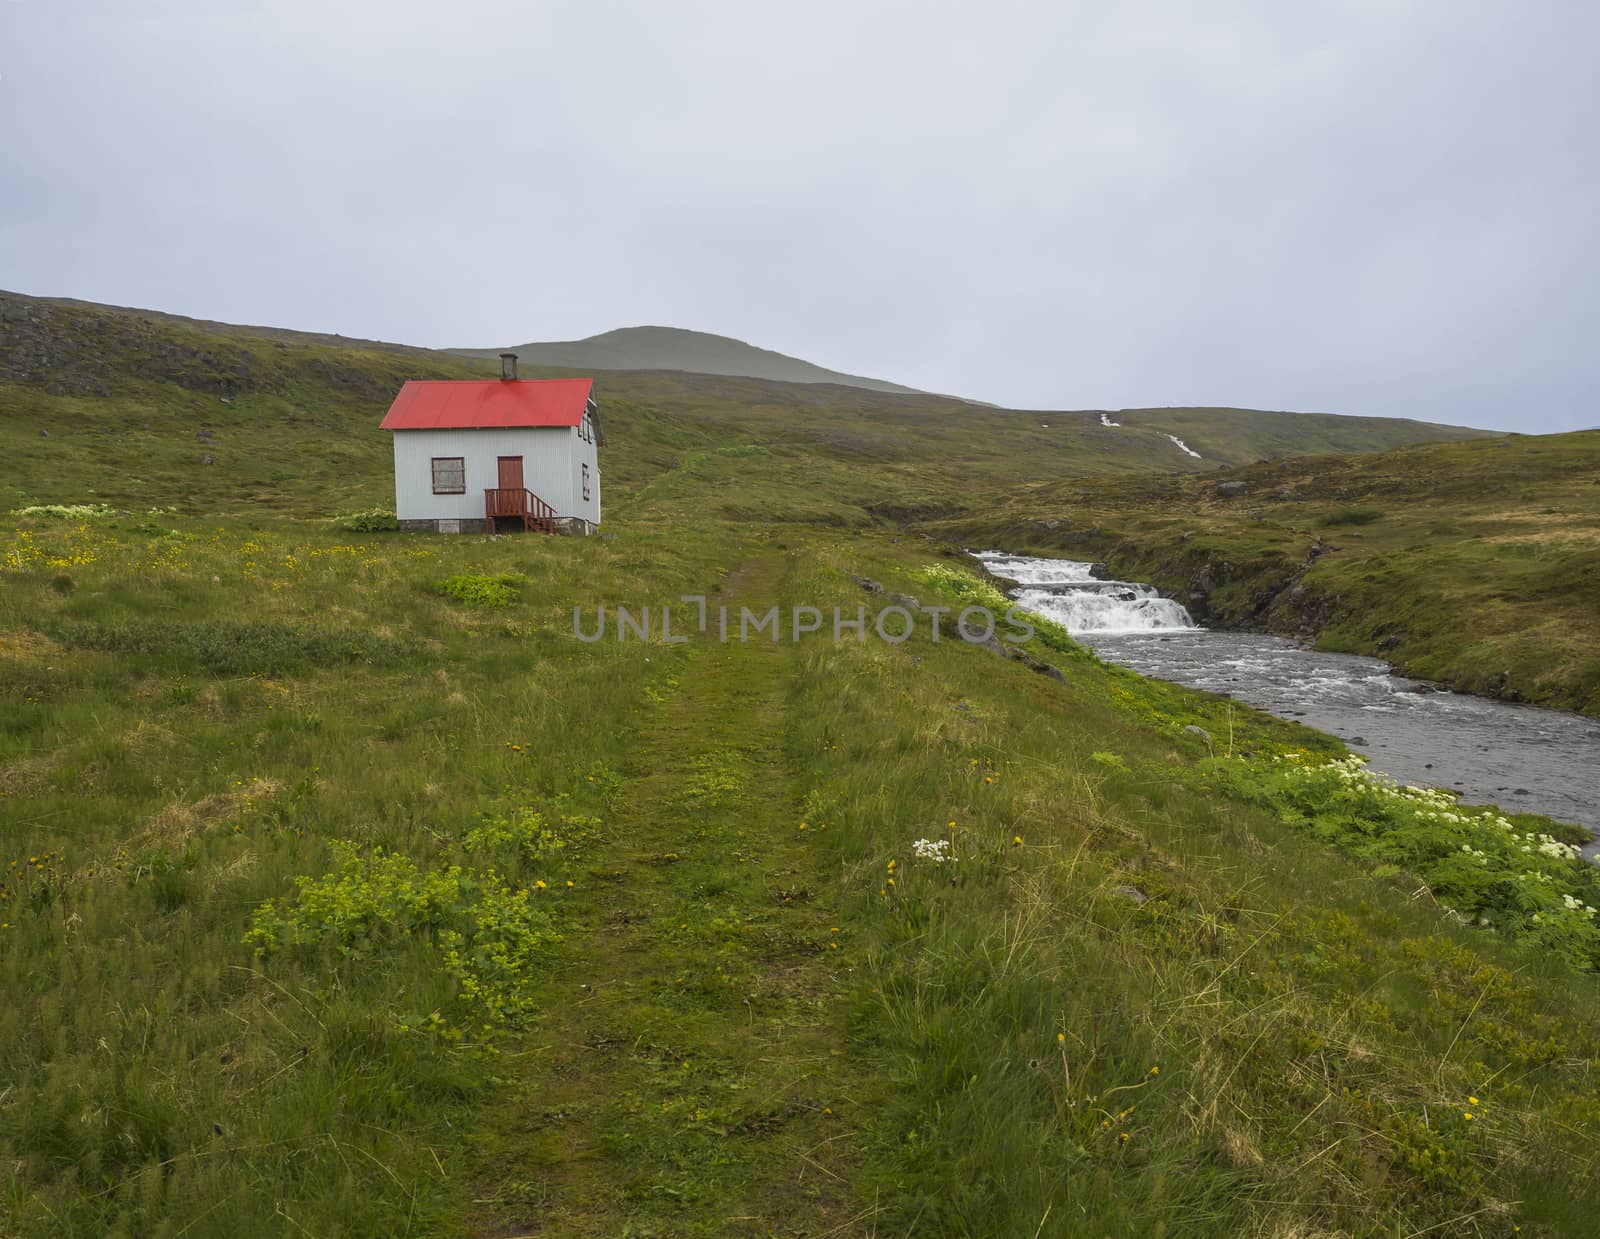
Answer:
(673, 348)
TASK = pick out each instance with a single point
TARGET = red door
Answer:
(510, 473)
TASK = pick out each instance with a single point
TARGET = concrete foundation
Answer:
(571, 526)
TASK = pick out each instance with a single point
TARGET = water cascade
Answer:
(1069, 593)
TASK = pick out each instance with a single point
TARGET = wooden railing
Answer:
(520, 502)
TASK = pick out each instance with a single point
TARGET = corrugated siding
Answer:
(547, 470)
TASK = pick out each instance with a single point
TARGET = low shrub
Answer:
(494, 940)
(525, 835)
(1352, 516)
(226, 648)
(377, 520)
(474, 589)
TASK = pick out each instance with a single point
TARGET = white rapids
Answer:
(1068, 592)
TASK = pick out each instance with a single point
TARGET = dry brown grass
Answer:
(178, 822)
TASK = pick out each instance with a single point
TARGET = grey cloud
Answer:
(1358, 207)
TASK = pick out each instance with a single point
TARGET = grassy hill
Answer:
(673, 348)
(1476, 564)
(345, 890)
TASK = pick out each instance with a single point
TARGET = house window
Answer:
(586, 481)
(449, 475)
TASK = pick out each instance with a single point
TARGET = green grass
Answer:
(313, 954)
(335, 903)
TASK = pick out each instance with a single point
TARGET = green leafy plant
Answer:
(493, 938)
(476, 589)
(527, 835)
(964, 586)
(375, 520)
(367, 901)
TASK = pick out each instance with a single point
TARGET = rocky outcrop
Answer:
(76, 350)
(69, 351)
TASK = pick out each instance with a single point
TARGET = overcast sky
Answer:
(1382, 208)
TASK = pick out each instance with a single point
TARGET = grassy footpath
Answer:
(691, 1072)
(339, 902)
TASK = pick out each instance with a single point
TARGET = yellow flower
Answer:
(1472, 1101)
(1468, 1115)
(1016, 841)
(1155, 1071)
(1061, 1038)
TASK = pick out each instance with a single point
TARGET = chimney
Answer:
(508, 366)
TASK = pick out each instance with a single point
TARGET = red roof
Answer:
(490, 404)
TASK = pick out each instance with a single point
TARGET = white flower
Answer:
(935, 850)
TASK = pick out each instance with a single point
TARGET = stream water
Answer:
(1523, 758)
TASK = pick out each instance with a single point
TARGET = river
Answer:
(1522, 758)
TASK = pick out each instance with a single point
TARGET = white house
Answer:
(476, 456)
